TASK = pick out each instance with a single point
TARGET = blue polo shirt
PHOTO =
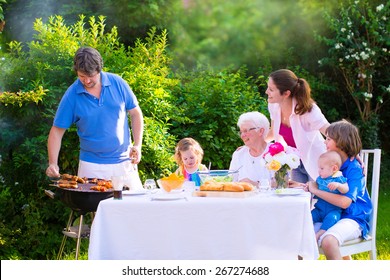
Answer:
(102, 124)
(361, 206)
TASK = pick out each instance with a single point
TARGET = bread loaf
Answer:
(211, 186)
(247, 186)
(232, 187)
(226, 186)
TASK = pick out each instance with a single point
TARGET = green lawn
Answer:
(383, 227)
(383, 230)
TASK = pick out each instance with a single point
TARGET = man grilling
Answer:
(99, 103)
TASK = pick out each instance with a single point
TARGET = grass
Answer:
(383, 226)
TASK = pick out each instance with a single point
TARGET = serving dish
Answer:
(217, 175)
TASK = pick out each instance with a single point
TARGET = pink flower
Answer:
(275, 148)
(277, 157)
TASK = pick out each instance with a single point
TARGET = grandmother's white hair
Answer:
(257, 119)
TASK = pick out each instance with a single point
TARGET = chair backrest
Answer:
(373, 174)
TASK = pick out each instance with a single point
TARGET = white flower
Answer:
(343, 29)
(289, 157)
(367, 96)
(356, 56)
(347, 57)
(349, 23)
(338, 46)
(364, 55)
(268, 157)
(293, 161)
(384, 49)
(281, 157)
(388, 88)
(361, 75)
(380, 7)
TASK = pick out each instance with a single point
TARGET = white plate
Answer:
(289, 191)
(134, 192)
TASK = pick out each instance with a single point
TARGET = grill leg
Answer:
(79, 236)
(68, 225)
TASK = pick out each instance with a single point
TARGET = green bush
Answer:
(208, 105)
(359, 53)
(34, 80)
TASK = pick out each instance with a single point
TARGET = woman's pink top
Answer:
(286, 132)
(306, 133)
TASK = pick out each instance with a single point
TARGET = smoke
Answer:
(20, 16)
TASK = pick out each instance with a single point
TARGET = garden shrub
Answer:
(33, 80)
(359, 53)
(208, 105)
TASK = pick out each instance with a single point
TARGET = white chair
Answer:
(361, 245)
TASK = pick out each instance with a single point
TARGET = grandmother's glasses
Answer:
(246, 131)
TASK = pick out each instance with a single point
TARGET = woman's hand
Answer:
(295, 184)
(247, 180)
(360, 161)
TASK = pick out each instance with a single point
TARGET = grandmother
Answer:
(253, 128)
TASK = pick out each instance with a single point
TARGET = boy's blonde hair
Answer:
(332, 158)
(346, 137)
(186, 144)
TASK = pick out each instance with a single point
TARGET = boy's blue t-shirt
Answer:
(361, 206)
(102, 124)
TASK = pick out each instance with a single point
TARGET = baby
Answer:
(188, 156)
(330, 179)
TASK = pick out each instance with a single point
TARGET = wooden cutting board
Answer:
(224, 194)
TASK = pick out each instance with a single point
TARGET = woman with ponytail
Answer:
(296, 121)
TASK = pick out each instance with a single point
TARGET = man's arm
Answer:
(53, 148)
(137, 128)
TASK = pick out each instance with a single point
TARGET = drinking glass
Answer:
(150, 185)
(117, 184)
(189, 187)
(264, 185)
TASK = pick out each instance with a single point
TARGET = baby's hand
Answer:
(333, 186)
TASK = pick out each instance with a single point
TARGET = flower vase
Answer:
(282, 178)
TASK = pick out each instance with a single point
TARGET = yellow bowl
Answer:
(169, 185)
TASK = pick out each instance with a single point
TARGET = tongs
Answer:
(55, 179)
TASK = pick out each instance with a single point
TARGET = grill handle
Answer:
(50, 194)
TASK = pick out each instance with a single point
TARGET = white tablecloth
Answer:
(267, 227)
